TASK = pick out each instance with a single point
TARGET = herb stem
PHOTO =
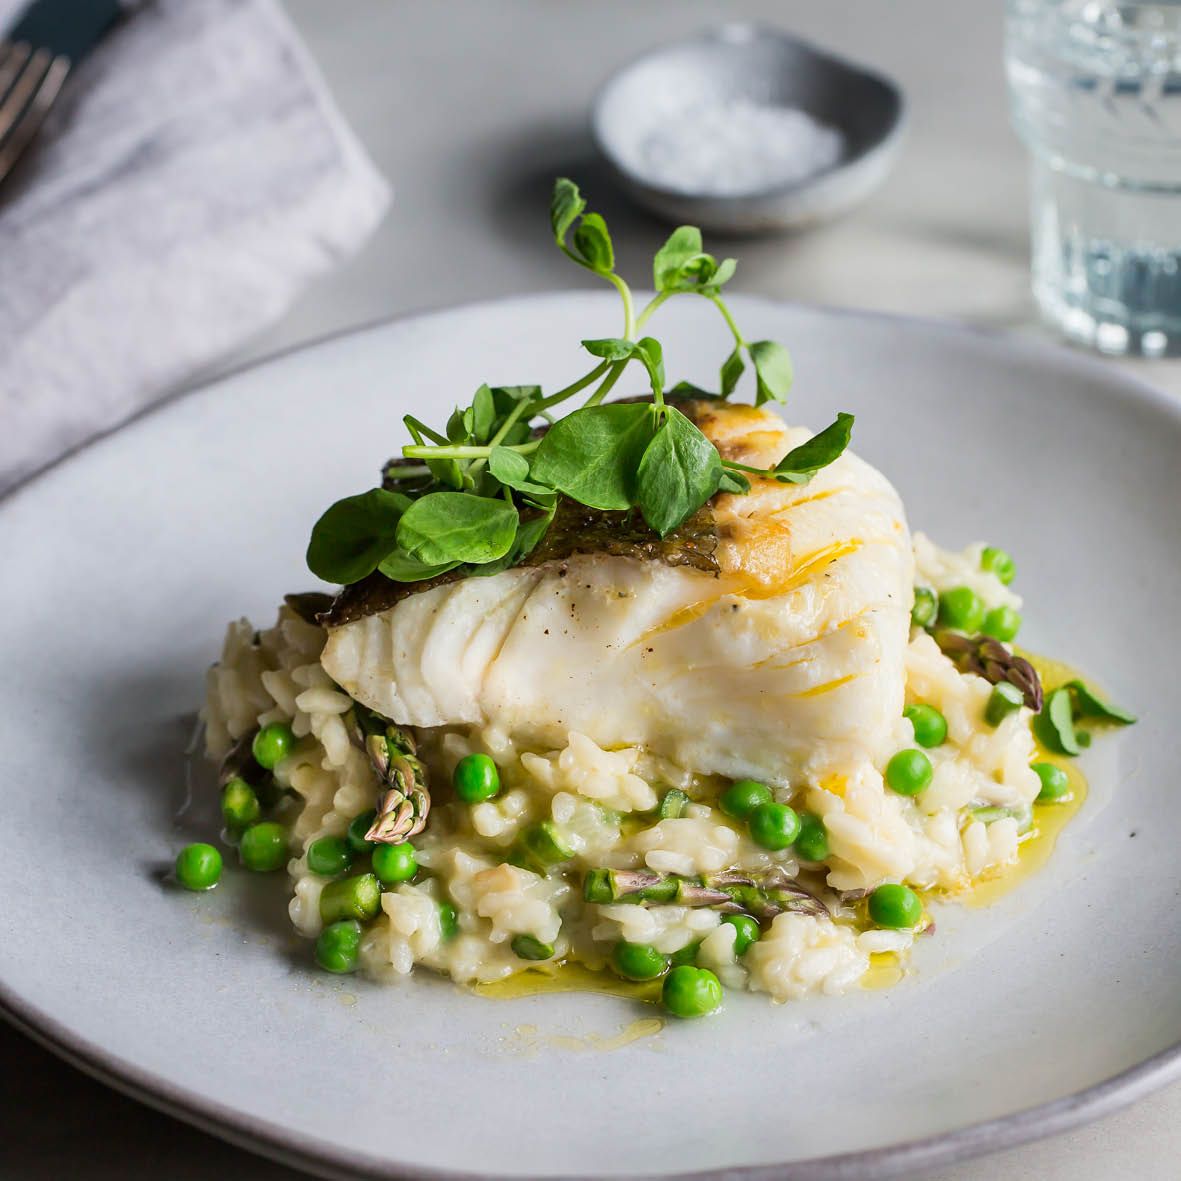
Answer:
(505, 427)
(458, 452)
(652, 306)
(720, 304)
(608, 384)
(629, 312)
(743, 467)
(421, 428)
(570, 390)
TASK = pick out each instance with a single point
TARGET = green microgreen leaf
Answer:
(611, 348)
(483, 415)
(801, 463)
(686, 389)
(733, 481)
(646, 350)
(649, 351)
(592, 455)
(454, 527)
(1054, 726)
(459, 425)
(722, 276)
(353, 536)
(732, 369)
(683, 244)
(505, 397)
(1088, 704)
(512, 470)
(566, 204)
(529, 534)
(679, 472)
(773, 370)
(682, 265)
(593, 241)
(400, 567)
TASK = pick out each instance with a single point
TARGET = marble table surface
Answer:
(470, 107)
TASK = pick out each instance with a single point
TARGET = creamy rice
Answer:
(603, 802)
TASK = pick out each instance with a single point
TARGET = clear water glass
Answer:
(1095, 87)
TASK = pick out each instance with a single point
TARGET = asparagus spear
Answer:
(403, 805)
(991, 660)
(761, 894)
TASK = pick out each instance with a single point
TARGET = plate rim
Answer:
(307, 1152)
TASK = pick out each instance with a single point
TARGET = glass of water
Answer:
(1096, 96)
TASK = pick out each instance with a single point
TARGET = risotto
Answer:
(479, 892)
(662, 688)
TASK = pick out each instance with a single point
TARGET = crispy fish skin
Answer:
(784, 661)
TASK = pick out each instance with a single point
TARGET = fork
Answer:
(47, 41)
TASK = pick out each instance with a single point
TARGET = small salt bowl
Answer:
(744, 128)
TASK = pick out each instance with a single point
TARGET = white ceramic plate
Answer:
(120, 567)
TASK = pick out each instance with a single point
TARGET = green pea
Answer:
(909, 772)
(1055, 782)
(687, 954)
(961, 608)
(673, 804)
(1002, 701)
(541, 846)
(638, 961)
(357, 829)
(475, 779)
(691, 992)
(746, 932)
(926, 607)
(997, 562)
(812, 843)
(338, 945)
(773, 826)
(272, 744)
(742, 798)
(395, 863)
(930, 726)
(263, 847)
(895, 906)
(328, 856)
(1002, 623)
(239, 805)
(525, 947)
(358, 897)
(198, 867)
(448, 920)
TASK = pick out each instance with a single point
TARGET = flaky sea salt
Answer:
(735, 147)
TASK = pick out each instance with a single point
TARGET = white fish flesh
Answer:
(786, 663)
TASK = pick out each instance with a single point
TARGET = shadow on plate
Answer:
(160, 761)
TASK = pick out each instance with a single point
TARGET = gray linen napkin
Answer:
(193, 179)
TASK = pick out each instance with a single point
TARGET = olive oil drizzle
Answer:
(1048, 819)
(885, 969)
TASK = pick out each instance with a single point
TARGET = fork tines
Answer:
(30, 79)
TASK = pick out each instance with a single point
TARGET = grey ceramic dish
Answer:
(204, 1005)
(764, 65)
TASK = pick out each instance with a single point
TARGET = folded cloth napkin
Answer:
(192, 179)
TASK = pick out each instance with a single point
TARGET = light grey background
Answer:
(470, 108)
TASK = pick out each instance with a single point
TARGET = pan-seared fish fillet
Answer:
(786, 663)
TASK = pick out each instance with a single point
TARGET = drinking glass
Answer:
(1095, 87)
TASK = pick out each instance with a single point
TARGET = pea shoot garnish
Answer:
(479, 494)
